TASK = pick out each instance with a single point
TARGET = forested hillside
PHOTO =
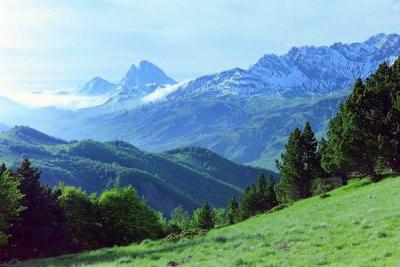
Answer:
(185, 176)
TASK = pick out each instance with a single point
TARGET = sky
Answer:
(48, 45)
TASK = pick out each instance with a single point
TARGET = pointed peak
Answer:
(146, 63)
(146, 73)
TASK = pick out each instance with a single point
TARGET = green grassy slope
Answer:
(187, 177)
(358, 225)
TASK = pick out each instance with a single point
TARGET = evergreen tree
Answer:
(270, 193)
(312, 159)
(233, 211)
(389, 137)
(294, 182)
(260, 194)
(3, 168)
(365, 134)
(205, 218)
(369, 104)
(41, 229)
(353, 135)
(332, 155)
(248, 202)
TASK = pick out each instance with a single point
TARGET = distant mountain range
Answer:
(242, 114)
(186, 176)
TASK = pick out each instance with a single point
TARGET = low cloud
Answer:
(161, 92)
(53, 99)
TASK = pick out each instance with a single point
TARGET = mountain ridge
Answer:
(302, 71)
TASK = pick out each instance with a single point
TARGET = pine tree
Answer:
(389, 140)
(205, 219)
(260, 194)
(248, 202)
(294, 184)
(233, 211)
(353, 135)
(270, 193)
(311, 157)
(332, 155)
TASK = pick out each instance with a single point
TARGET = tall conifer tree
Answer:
(233, 211)
(293, 184)
(206, 218)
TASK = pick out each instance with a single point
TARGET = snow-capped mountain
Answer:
(138, 82)
(303, 71)
(96, 87)
(141, 81)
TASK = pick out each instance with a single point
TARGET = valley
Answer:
(186, 176)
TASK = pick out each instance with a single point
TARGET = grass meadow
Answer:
(356, 225)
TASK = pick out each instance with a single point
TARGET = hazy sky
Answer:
(61, 44)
